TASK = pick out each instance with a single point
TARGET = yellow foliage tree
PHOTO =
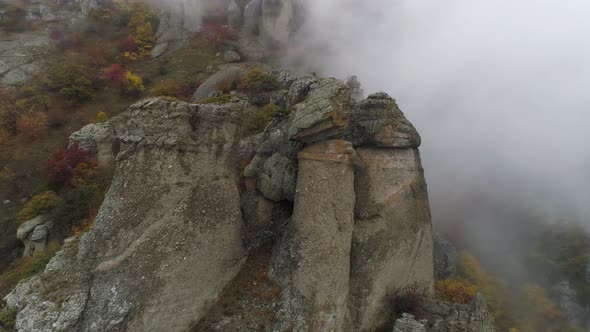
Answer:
(455, 290)
(134, 82)
(143, 32)
(492, 289)
(39, 204)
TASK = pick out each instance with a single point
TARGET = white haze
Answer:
(498, 89)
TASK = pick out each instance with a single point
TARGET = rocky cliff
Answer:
(332, 192)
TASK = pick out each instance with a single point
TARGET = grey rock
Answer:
(90, 136)
(25, 229)
(408, 323)
(324, 113)
(276, 22)
(231, 56)
(227, 76)
(277, 180)
(252, 13)
(167, 238)
(22, 55)
(393, 231)
(39, 234)
(313, 258)
(567, 300)
(446, 316)
(378, 121)
(234, 15)
(178, 20)
(445, 258)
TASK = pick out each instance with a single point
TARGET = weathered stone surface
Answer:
(567, 300)
(408, 323)
(234, 15)
(231, 56)
(277, 22)
(445, 258)
(22, 55)
(39, 234)
(324, 114)
(25, 229)
(392, 241)
(315, 254)
(446, 316)
(377, 121)
(167, 238)
(277, 179)
(178, 20)
(227, 76)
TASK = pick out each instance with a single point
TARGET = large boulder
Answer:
(22, 55)
(228, 76)
(324, 114)
(167, 238)
(445, 316)
(445, 258)
(34, 234)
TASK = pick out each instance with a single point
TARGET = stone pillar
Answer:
(392, 241)
(323, 222)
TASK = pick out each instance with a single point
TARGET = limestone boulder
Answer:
(226, 77)
(167, 238)
(324, 114)
(392, 240)
(378, 121)
(445, 258)
(446, 316)
(313, 258)
(408, 323)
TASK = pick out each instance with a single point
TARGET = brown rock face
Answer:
(323, 222)
(392, 241)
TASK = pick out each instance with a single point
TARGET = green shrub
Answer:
(7, 319)
(39, 204)
(101, 117)
(73, 81)
(26, 267)
(219, 100)
(257, 81)
(258, 120)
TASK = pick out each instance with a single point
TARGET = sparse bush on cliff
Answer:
(455, 290)
(168, 88)
(134, 83)
(61, 167)
(26, 267)
(258, 81)
(39, 204)
(101, 117)
(7, 319)
(73, 81)
(258, 120)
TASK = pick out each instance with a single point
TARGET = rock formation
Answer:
(34, 233)
(335, 187)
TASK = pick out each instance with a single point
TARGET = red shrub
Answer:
(128, 45)
(61, 167)
(115, 74)
(56, 34)
(216, 33)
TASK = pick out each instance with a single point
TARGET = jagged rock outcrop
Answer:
(334, 189)
(22, 55)
(34, 234)
(408, 323)
(445, 258)
(167, 238)
(446, 316)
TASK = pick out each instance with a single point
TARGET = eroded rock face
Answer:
(446, 316)
(34, 233)
(319, 239)
(168, 236)
(392, 242)
(338, 198)
(22, 55)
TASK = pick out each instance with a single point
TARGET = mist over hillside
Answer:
(496, 88)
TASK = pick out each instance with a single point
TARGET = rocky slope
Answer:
(334, 192)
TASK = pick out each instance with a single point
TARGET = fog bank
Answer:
(497, 89)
